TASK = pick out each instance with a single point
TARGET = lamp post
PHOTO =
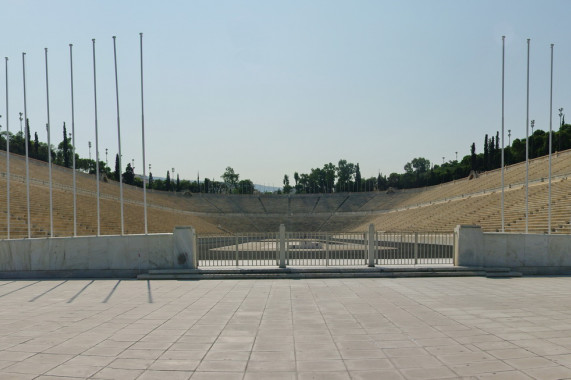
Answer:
(21, 131)
(560, 126)
(509, 137)
(456, 156)
(89, 144)
(106, 162)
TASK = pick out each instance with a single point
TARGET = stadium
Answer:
(431, 209)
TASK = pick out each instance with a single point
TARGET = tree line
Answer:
(62, 155)
(420, 172)
(343, 177)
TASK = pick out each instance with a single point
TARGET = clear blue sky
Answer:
(273, 87)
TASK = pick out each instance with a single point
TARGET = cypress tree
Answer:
(486, 152)
(65, 148)
(29, 137)
(492, 155)
(117, 168)
(473, 156)
(168, 181)
(36, 152)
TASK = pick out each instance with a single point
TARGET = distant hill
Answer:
(266, 189)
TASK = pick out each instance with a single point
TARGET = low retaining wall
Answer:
(525, 253)
(97, 256)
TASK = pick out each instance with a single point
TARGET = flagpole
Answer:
(550, 143)
(73, 143)
(96, 141)
(49, 145)
(7, 156)
(143, 136)
(119, 137)
(27, 143)
(503, 65)
(527, 149)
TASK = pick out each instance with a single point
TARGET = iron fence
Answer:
(414, 248)
(247, 249)
(325, 249)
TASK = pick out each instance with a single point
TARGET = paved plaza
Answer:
(408, 328)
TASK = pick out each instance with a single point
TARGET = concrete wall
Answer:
(97, 256)
(526, 253)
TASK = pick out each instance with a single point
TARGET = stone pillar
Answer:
(184, 248)
(468, 246)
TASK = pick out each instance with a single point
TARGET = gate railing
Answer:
(325, 248)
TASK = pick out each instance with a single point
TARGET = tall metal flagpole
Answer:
(143, 134)
(96, 141)
(527, 148)
(7, 156)
(550, 143)
(119, 138)
(49, 145)
(73, 142)
(503, 61)
(27, 142)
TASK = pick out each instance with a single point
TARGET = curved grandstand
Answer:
(436, 208)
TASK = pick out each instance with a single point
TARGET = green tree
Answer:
(369, 184)
(381, 182)
(298, 186)
(473, 156)
(492, 155)
(287, 187)
(168, 186)
(129, 175)
(357, 178)
(486, 153)
(393, 180)
(29, 137)
(117, 168)
(329, 175)
(420, 165)
(246, 186)
(36, 151)
(65, 148)
(230, 178)
(345, 172)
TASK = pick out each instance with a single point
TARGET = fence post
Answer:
(326, 249)
(371, 250)
(237, 250)
(282, 247)
(415, 248)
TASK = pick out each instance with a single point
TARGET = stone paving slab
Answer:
(409, 328)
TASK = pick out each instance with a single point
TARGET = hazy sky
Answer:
(273, 87)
